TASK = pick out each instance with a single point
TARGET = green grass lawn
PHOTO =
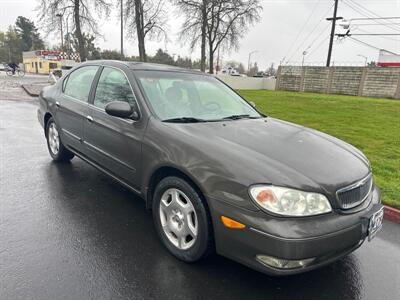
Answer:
(370, 124)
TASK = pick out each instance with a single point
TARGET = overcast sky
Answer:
(287, 28)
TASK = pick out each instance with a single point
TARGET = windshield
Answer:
(187, 97)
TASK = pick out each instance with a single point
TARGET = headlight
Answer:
(289, 202)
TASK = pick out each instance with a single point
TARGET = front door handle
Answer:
(89, 118)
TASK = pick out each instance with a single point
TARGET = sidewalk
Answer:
(34, 89)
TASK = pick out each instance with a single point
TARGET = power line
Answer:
(302, 28)
(364, 43)
(368, 45)
(319, 46)
(380, 18)
(319, 35)
(372, 24)
(379, 34)
(368, 10)
(309, 35)
(383, 37)
(368, 16)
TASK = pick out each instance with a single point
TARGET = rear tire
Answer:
(182, 220)
(57, 150)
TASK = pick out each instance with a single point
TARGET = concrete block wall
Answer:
(315, 80)
(381, 82)
(290, 78)
(361, 81)
(346, 81)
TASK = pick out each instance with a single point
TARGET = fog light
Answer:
(280, 263)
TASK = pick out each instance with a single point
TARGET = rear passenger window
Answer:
(113, 86)
(79, 83)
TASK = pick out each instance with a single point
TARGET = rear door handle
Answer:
(89, 118)
(58, 104)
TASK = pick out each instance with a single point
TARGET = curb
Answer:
(392, 214)
(28, 91)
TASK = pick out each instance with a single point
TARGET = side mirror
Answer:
(252, 104)
(122, 109)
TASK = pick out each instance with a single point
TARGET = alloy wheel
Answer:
(54, 139)
(178, 218)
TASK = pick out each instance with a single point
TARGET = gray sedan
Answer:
(218, 175)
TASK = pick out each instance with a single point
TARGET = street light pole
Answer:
(248, 63)
(366, 59)
(304, 55)
(61, 28)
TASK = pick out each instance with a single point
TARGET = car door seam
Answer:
(109, 156)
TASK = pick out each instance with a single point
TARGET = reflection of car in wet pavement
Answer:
(218, 175)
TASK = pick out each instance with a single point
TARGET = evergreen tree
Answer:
(28, 33)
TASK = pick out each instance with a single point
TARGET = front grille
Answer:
(354, 194)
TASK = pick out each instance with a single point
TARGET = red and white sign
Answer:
(388, 59)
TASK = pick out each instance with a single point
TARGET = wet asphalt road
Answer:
(69, 232)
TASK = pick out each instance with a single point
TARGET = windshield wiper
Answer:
(236, 117)
(184, 120)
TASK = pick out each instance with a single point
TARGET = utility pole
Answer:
(333, 19)
(68, 40)
(122, 29)
(61, 28)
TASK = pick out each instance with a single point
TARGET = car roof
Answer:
(133, 65)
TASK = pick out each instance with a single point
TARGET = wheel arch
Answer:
(160, 173)
(46, 119)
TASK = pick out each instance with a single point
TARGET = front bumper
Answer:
(325, 238)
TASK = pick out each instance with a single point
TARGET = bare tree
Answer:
(216, 23)
(83, 17)
(228, 21)
(146, 19)
(194, 28)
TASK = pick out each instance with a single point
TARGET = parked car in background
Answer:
(3, 66)
(238, 75)
(260, 74)
(231, 71)
(217, 174)
(63, 71)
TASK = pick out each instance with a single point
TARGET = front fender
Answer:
(163, 147)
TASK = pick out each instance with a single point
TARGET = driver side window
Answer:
(113, 86)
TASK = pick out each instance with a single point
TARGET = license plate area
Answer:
(375, 224)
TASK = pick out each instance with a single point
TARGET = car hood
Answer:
(280, 152)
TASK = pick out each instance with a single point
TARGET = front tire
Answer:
(57, 150)
(182, 220)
